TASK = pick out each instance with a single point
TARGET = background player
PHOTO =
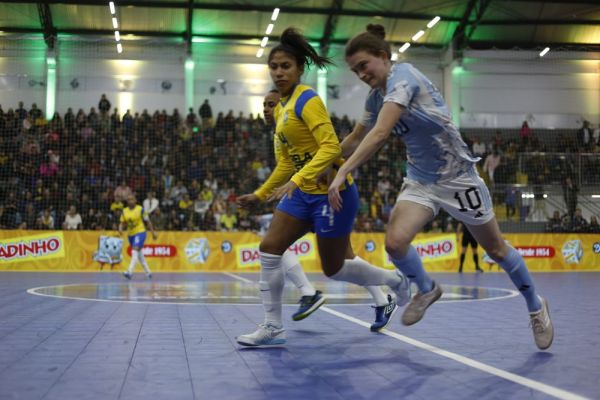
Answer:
(441, 173)
(133, 218)
(385, 306)
(467, 240)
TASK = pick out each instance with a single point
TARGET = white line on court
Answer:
(521, 380)
(530, 383)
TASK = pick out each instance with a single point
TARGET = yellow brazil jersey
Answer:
(134, 219)
(305, 144)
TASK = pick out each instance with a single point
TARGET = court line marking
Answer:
(511, 293)
(518, 379)
(521, 380)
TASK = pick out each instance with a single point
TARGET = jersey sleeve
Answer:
(315, 116)
(402, 87)
(370, 113)
(122, 218)
(280, 175)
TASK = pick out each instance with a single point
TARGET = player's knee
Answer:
(497, 250)
(397, 245)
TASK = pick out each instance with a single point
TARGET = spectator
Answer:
(478, 147)
(579, 224)
(150, 203)
(122, 192)
(159, 219)
(228, 220)
(46, 221)
(72, 219)
(593, 227)
(104, 105)
(186, 207)
(205, 112)
(492, 161)
(585, 137)
(570, 191)
(525, 134)
(554, 224)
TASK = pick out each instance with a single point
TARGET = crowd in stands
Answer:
(76, 170)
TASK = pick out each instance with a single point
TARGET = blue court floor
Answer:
(174, 338)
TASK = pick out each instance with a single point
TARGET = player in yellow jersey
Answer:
(309, 146)
(133, 219)
(385, 306)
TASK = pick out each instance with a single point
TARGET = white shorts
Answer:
(466, 198)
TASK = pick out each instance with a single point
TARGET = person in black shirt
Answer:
(467, 240)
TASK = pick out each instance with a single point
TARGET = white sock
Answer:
(144, 263)
(362, 273)
(378, 295)
(134, 260)
(293, 271)
(271, 287)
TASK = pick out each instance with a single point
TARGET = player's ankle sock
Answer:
(298, 277)
(362, 273)
(378, 295)
(144, 263)
(412, 267)
(476, 261)
(271, 287)
(134, 260)
(514, 264)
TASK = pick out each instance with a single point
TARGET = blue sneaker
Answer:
(384, 314)
(265, 335)
(127, 275)
(308, 305)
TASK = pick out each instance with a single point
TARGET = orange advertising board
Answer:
(72, 251)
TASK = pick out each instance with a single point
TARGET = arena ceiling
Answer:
(476, 24)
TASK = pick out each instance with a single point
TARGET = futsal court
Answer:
(98, 336)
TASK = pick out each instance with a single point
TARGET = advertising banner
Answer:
(73, 251)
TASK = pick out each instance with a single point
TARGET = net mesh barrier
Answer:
(187, 169)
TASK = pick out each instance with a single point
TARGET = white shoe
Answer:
(265, 335)
(402, 290)
(543, 331)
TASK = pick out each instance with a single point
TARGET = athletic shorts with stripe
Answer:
(465, 198)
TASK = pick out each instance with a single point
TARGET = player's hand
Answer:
(325, 177)
(247, 200)
(335, 199)
(154, 235)
(281, 191)
(120, 233)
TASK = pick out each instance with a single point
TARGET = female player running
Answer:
(133, 218)
(312, 299)
(309, 147)
(441, 173)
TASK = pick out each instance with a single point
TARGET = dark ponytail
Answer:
(372, 41)
(293, 43)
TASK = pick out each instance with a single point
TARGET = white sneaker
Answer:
(543, 331)
(265, 335)
(402, 290)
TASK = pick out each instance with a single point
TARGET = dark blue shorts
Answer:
(315, 209)
(137, 240)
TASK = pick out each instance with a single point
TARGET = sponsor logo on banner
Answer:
(197, 250)
(157, 250)
(435, 248)
(536, 251)
(370, 246)
(572, 251)
(226, 246)
(36, 247)
(249, 256)
(596, 248)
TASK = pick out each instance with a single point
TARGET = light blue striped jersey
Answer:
(435, 150)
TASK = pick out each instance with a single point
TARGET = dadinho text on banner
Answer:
(248, 253)
(431, 249)
(34, 247)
